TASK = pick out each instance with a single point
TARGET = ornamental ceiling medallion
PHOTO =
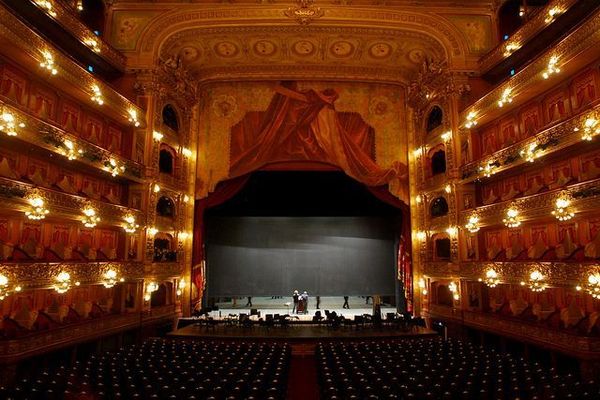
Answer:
(304, 12)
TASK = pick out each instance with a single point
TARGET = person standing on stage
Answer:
(305, 300)
(346, 305)
(249, 302)
(318, 301)
(296, 297)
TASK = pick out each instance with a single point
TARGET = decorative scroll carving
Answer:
(304, 12)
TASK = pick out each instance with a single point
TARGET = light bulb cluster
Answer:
(70, 151)
(593, 285)
(133, 117)
(423, 286)
(156, 135)
(113, 167)
(562, 210)
(9, 124)
(183, 236)
(181, 286)
(152, 231)
(452, 230)
(446, 136)
(471, 121)
(97, 95)
(511, 48)
(131, 226)
(512, 219)
(491, 278)
(536, 282)
(590, 129)
(48, 63)
(47, 6)
(63, 282)
(92, 44)
(421, 235)
(472, 224)
(506, 97)
(110, 278)
(552, 67)
(488, 169)
(90, 217)
(38, 210)
(531, 152)
(5, 289)
(186, 152)
(150, 288)
(453, 287)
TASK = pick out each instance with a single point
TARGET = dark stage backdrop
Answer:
(328, 256)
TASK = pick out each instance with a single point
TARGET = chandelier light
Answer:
(152, 231)
(113, 167)
(536, 282)
(70, 151)
(506, 97)
(551, 68)
(131, 225)
(180, 286)
(590, 129)
(90, 217)
(186, 152)
(110, 279)
(531, 152)
(512, 219)
(593, 285)
(150, 288)
(48, 63)
(423, 286)
(446, 136)
(183, 236)
(562, 210)
(47, 6)
(471, 119)
(421, 235)
(472, 224)
(5, 288)
(38, 210)
(491, 278)
(156, 135)
(63, 282)
(454, 290)
(9, 124)
(452, 230)
(511, 48)
(133, 117)
(488, 169)
(92, 44)
(97, 95)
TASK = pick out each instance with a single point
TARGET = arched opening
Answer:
(164, 249)
(170, 118)
(439, 207)
(165, 207)
(166, 161)
(92, 15)
(509, 19)
(438, 162)
(434, 119)
(159, 297)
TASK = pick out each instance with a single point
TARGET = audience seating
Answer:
(438, 369)
(167, 369)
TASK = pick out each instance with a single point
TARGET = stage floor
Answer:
(269, 305)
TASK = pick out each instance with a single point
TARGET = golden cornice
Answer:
(573, 51)
(26, 43)
(67, 206)
(523, 35)
(163, 270)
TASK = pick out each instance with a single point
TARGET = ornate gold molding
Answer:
(304, 12)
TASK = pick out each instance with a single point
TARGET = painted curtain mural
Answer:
(245, 126)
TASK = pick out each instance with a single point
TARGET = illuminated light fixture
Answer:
(47, 6)
(38, 210)
(92, 44)
(590, 129)
(79, 5)
(472, 224)
(90, 217)
(511, 48)
(531, 152)
(551, 68)
(186, 152)
(521, 11)
(423, 286)
(131, 225)
(446, 136)
(180, 286)
(183, 236)
(506, 97)
(536, 282)
(488, 169)
(593, 285)
(9, 125)
(156, 188)
(97, 95)
(133, 117)
(454, 290)
(48, 62)
(552, 13)
(418, 152)
(512, 219)
(448, 188)
(156, 135)
(110, 279)
(561, 211)
(70, 151)
(452, 230)
(186, 199)
(150, 288)
(421, 235)
(63, 282)
(471, 119)
(418, 199)
(5, 289)
(152, 231)
(491, 278)
(113, 167)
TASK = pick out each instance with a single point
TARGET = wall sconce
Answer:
(506, 97)
(131, 225)
(551, 68)
(423, 287)
(552, 13)
(536, 282)
(150, 288)
(531, 152)
(113, 167)
(446, 136)
(90, 218)
(512, 219)
(97, 95)
(38, 210)
(491, 278)
(92, 44)
(70, 151)
(156, 135)
(418, 199)
(48, 63)
(452, 230)
(593, 285)
(186, 199)
(156, 188)
(471, 119)
(47, 6)
(186, 152)
(79, 5)
(448, 189)
(4, 288)
(421, 235)
(418, 152)
(454, 290)
(488, 169)
(472, 224)
(180, 287)
(133, 117)
(511, 48)
(8, 124)
(561, 208)
(183, 236)
(152, 231)
(589, 129)
(63, 282)
(110, 279)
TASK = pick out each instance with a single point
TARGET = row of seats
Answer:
(168, 369)
(438, 369)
